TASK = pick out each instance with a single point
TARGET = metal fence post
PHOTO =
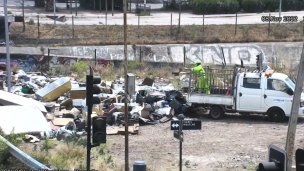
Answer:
(139, 166)
(38, 26)
(140, 53)
(73, 34)
(171, 25)
(235, 24)
(138, 32)
(184, 50)
(203, 23)
(269, 26)
(303, 27)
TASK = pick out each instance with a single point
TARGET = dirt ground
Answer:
(232, 143)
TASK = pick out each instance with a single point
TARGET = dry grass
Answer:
(112, 35)
(66, 155)
(69, 154)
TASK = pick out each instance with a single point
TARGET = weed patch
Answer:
(140, 69)
(69, 154)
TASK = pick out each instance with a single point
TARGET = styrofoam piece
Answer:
(163, 111)
(118, 105)
(79, 102)
(22, 119)
(118, 86)
(78, 88)
(38, 78)
(106, 95)
(7, 98)
(55, 89)
(74, 84)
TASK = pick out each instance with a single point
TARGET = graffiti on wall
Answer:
(204, 53)
(28, 63)
(216, 54)
(33, 63)
(64, 61)
(212, 53)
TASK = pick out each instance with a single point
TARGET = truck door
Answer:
(275, 95)
(249, 94)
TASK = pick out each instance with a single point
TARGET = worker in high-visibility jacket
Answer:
(202, 78)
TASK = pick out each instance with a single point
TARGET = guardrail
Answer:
(23, 157)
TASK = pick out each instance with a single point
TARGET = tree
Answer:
(22, 3)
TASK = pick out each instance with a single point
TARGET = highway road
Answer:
(156, 18)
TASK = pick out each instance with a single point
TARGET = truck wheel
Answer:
(276, 115)
(216, 112)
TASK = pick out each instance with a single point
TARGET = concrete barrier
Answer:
(287, 53)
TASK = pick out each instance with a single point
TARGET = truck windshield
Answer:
(291, 83)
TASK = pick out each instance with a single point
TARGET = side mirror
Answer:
(289, 91)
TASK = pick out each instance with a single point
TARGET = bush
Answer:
(215, 6)
(270, 5)
(251, 5)
(288, 5)
(299, 5)
(80, 68)
(15, 139)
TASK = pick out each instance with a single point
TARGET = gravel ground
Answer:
(232, 143)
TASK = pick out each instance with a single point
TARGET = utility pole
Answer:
(126, 85)
(76, 7)
(106, 12)
(112, 7)
(293, 119)
(179, 17)
(280, 8)
(55, 11)
(8, 58)
(23, 15)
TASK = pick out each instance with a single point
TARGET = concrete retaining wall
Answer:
(287, 53)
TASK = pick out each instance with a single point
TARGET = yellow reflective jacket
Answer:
(200, 70)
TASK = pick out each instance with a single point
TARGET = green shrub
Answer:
(270, 5)
(215, 6)
(299, 5)
(288, 5)
(80, 68)
(229, 6)
(15, 139)
(250, 5)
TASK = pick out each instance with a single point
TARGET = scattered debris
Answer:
(56, 108)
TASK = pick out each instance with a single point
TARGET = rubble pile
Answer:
(61, 102)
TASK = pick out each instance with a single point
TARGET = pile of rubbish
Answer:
(59, 105)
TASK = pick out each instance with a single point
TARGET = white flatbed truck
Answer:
(266, 93)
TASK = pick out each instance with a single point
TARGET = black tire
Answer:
(276, 115)
(216, 112)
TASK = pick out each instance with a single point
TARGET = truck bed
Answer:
(211, 99)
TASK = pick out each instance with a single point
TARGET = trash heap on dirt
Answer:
(43, 106)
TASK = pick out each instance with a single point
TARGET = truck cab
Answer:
(266, 93)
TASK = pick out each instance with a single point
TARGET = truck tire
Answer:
(276, 115)
(216, 112)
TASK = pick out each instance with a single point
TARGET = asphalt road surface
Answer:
(86, 17)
